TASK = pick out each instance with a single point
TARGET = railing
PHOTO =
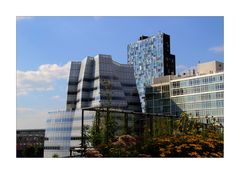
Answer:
(115, 122)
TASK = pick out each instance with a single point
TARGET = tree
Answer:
(109, 123)
(29, 151)
(55, 155)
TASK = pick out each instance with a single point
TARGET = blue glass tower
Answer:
(151, 58)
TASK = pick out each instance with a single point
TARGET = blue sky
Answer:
(45, 45)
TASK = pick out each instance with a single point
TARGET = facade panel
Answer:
(63, 130)
(151, 58)
(201, 95)
(94, 82)
(101, 76)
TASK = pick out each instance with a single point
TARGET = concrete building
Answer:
(210, 67)
(151, 58)
(201, 94)
(94, 82)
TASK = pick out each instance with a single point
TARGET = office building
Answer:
(151, 58)
(94, 82)
(201, 93)
(158, 96)
(63, 131)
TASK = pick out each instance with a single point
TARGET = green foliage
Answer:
(103, 129)
(190, 138)
(32, 151)
(55, 155)
(29, 151)
(123, 146)
(190, 146)
(109, 127)
(104, 126)
(96, 134)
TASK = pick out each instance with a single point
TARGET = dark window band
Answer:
(101, 77)
(134, 103)
(89, 79)
(131, 94)
(102, 98)
(72, 83)
(52, 147)
(72, 92)
(88, 89)
(128, 85)
(111, 87)
(76, 138)
(112, 98)
(72, 102)
(87, 99)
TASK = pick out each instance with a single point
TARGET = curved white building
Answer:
(94, 82)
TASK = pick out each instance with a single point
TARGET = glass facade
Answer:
(94, 82)
(150, 57)
(63, 130)
(199, 95)
(58, 134)
(93, 79)
(158, 99)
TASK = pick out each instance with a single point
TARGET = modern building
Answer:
(63, 131)
(30, 142)
(158, 98)
(210, 67)
(151, 58)
(94, 82)
(201, 94)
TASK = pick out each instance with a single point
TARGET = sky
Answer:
(46, 45)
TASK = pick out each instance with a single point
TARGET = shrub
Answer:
(189, 139)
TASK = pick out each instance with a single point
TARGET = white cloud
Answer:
(41, 79)
(217, 49)
(56, 97)
(23, 110)
(20, 18)
(31, 118)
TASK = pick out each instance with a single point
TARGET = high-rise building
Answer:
(94, 82)
(201, 94)
(151, 58)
